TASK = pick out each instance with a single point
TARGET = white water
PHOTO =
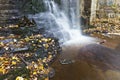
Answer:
(63, 23)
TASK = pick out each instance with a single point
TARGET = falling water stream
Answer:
(63, 21)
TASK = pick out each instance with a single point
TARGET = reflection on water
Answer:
(118, 47)
(93, 62)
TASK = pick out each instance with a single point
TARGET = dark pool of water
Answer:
(93, 62)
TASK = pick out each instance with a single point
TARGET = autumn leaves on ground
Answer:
(25, 54)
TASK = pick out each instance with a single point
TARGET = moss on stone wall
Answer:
(32, 6)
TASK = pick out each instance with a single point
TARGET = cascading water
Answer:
(63, 21)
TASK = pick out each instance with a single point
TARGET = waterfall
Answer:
(73, 12)
(62, 21)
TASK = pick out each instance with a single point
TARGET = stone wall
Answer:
(9, 9)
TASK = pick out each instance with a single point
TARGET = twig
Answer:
(26, 63)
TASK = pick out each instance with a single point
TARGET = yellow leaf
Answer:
(14, 63)
(34, 45)
(46, 45)
(47, 78)
(19, 78)
(34, 73)
(1, 43)
(40, 41)
(1, 58)
(41, 67)
(27, 39)
(3, 70)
